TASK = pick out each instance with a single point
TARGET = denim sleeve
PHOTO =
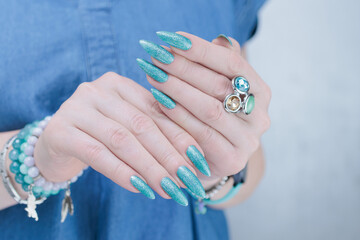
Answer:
(246, 18)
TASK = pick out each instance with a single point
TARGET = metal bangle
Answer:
(215, 189)
(6, 179)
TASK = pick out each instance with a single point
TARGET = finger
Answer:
(123, 145)
(206, 108)
(179, 139)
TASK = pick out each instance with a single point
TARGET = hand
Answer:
(115, 126)
(199, 79)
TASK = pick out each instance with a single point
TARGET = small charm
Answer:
(67, 204)
(31, 205)
(200, 207)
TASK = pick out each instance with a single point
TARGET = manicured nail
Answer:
(226, 37)
(157, 52)
(153, 71)
(198, 159)
(192, 194)
(140, 185)
(163, 99)
(191, 181)
(175, 40)
(174, 191)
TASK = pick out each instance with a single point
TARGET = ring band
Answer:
(240, 100)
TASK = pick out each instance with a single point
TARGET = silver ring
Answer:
(240, 100)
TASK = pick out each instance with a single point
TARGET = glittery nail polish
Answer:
(175, 40)
(191, 181)
(198, 159)
(140, 185)
(157, 52)
(153, 71)
(174, 191)
(226, 37)
(163, 99)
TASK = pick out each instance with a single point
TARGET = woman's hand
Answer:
(198, 79)
(115, 126)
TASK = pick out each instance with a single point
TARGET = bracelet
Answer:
(28, 175)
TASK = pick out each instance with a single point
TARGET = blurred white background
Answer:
(308, 51)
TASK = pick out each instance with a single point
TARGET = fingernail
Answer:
(153, 71)
(226, 37)
(192, 194)
(191, 181)
(175, 40)
(140, 185)
(163, 99)
(174, 191)
(157, 52)
(198, 159)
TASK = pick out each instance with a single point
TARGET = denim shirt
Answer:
(47, 48)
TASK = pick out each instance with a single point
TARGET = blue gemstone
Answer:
(241, 84)
(17, 143)
(13, 155)
(19, 178)
(14, 167)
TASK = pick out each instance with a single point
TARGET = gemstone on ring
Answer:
(241, 84)
(249, 104)
(232, 103)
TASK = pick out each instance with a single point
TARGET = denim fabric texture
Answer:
(47, 48)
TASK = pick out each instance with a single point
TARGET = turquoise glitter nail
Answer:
(153, 71)
(191, 181)
(157, 52)
(174, 191)
(198, 159)
(175, 40)
(163, 99)
(226, 37)
(140, 185)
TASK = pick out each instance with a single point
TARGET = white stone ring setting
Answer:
(240, 100)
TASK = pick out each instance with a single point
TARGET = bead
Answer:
(14, 155)
(46, 193)
(47, 186)
(17, 143)
(54, 192)
(40, 182)
(33, 172)
(22, 157)
(56, 187)
(22, 134)
(37, 191)
(28, 179)
(19, 178)
(74, 179)
(48, 118)
(32, 140)
(241, 84)
(29, 150)
(23, 169)
(63, 185)
(14, 167)
(42, 124)
(37, 131)
(29, 161)
(25, 187)
(23, 146)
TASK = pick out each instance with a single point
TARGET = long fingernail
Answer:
(163, 99)
(140, 185)
(191, 181)
(226, 37)
(174, 191)
(157, 52)
(175, 40)
(198, 159)
(153, 71)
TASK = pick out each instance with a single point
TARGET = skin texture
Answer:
(141, 137)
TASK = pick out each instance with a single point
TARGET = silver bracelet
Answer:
(215, 189)
(6, 179)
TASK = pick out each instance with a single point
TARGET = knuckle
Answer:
(110, 75)
(206, 135)
(204, 52)
(92, 152)
(117, 171)
(236, 63)
(168, 157)
(181, 138)
(87, 88)
(154, 109)
(185, 68)
(118, 136)
(215, 112)
(140, 123)
(253, 143)
(266, 123)
(267, 92)
(222, 86)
